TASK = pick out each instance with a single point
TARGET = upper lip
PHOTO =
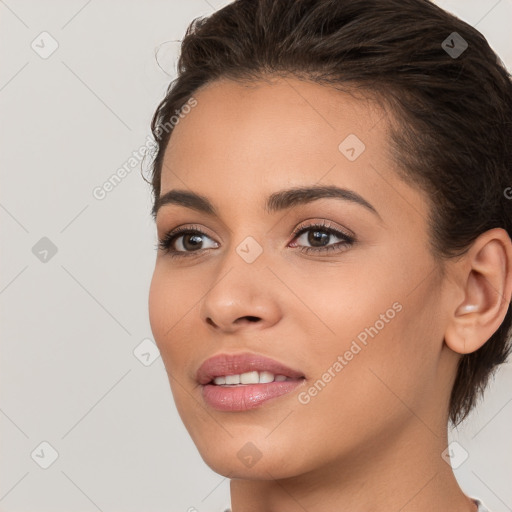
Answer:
(233, 364)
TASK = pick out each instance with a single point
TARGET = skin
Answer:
(372, 438)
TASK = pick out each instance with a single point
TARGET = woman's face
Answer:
(362, 321)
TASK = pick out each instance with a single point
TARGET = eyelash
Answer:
(168, 239)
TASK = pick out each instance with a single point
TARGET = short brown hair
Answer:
(454, 136)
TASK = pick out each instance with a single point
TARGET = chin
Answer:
(239, 458)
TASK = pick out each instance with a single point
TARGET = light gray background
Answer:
(70, 325)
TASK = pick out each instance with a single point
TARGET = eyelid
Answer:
(189, 227)
(184, 229)
(327, 224)
(310, 223)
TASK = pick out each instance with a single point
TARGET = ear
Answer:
(486, 280)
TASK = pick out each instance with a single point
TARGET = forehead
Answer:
(259, 137)
(267, 120)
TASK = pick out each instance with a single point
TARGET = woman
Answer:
(333, 277)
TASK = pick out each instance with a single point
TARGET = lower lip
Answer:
(243, 397)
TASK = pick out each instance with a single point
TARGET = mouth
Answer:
(244, 369)
(249, 378)
(240, 382)
(244, 397)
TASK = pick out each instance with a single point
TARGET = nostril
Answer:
(247, 318)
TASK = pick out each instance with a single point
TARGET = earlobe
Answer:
(487, 288)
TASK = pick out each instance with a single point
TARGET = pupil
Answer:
(313, 238)
(195, 244)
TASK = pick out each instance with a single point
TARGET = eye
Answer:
(319, 235)
(189, 240)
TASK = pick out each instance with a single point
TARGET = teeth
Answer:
(232, 379)
(249, 378)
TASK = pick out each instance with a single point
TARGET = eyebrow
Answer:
(278, 201)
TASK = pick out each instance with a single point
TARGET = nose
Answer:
(242, 299)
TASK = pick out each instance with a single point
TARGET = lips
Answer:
(233, 364)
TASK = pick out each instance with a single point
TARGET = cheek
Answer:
(173, 303)
(156, 308)
(364, 390)
(164, 314)
(164, 307)
(379, 340)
